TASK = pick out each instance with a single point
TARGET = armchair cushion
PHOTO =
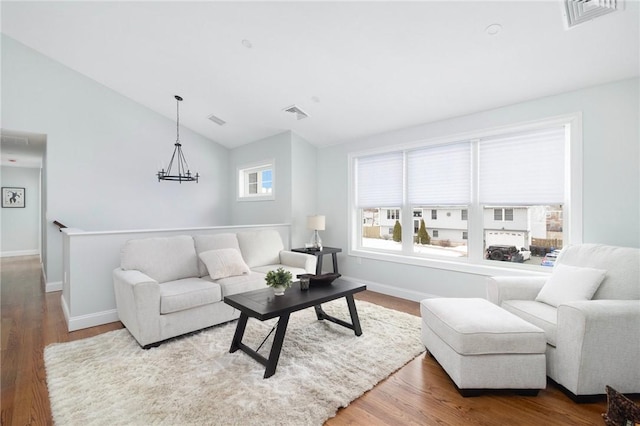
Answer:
(621, 263)
(224, 263)
(570, 284)
(538, 314)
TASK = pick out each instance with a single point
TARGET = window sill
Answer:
(257, 198)
(484, 267)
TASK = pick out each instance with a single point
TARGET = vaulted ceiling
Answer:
(356, 68)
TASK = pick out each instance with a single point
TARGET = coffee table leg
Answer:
(276, 347)
(355, 320)
(237, 337)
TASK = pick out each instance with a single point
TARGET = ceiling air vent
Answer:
(15, 140)
(296, 111)
(219, 121)
(579, 11)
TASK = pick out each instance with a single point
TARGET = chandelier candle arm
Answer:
(184, 173)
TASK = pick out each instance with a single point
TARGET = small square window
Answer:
(256, 182)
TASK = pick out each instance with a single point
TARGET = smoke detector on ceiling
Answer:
(580, 11)
(298, 113)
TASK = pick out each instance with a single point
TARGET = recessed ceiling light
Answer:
(246, 43)
(493, 29)
(315, 99)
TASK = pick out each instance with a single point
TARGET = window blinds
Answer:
(523, 169)
(439, 175)
(379, 180)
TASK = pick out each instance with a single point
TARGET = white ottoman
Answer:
(481, 346)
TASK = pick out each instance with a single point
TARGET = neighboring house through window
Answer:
(518, 185)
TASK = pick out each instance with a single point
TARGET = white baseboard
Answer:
(20, 253)
(90, 320)
(65, 309)
(403, 293)
(53, 286)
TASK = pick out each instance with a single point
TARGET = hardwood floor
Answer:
(420, 393)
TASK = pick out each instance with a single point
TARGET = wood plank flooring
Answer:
(420, 393)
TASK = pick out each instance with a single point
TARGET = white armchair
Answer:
(590, 343)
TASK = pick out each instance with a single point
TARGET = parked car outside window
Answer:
(507, 253)
(550, 258)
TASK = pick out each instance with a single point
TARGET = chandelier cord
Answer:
(178, 120)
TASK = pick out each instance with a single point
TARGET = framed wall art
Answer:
(12, 197)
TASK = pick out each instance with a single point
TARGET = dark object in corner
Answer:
(322, 280)
(621, 411)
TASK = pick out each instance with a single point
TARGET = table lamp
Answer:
(316, 223)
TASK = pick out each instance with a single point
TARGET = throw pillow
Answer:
(569, 284)
(223, 263)
(620, 410)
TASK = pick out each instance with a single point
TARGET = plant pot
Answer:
(279, 290)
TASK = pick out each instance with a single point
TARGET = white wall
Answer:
(20, 226)
(611, 192)
(278, 148)
(103, 151)
(303, 190)
(295, 184)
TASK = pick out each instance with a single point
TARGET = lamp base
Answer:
(316, 241)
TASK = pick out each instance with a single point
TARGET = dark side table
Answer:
(319, 254)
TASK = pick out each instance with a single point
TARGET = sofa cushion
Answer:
(621, 263)
(478, 327)
(188, 293)
(260, 248)
(537, 313)
(224, 263)
(294, 271)
(213, 242)
(163, 259)
(570, 284)
(241, 283)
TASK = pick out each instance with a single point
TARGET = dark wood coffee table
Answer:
(263, 305)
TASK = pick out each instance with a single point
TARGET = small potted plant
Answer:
(279, 280)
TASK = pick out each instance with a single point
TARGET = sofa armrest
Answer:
(500, 289)
(299, 260)
(598, 343)
(138, 304)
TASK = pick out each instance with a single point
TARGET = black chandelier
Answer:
(183, 172)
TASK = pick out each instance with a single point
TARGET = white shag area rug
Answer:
(109, 380)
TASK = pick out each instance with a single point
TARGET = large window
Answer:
(256, 181)
(460, 198)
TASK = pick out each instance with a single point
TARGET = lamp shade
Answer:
(315, 222)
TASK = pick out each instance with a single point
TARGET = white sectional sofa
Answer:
(589, 310)
(164, 288)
